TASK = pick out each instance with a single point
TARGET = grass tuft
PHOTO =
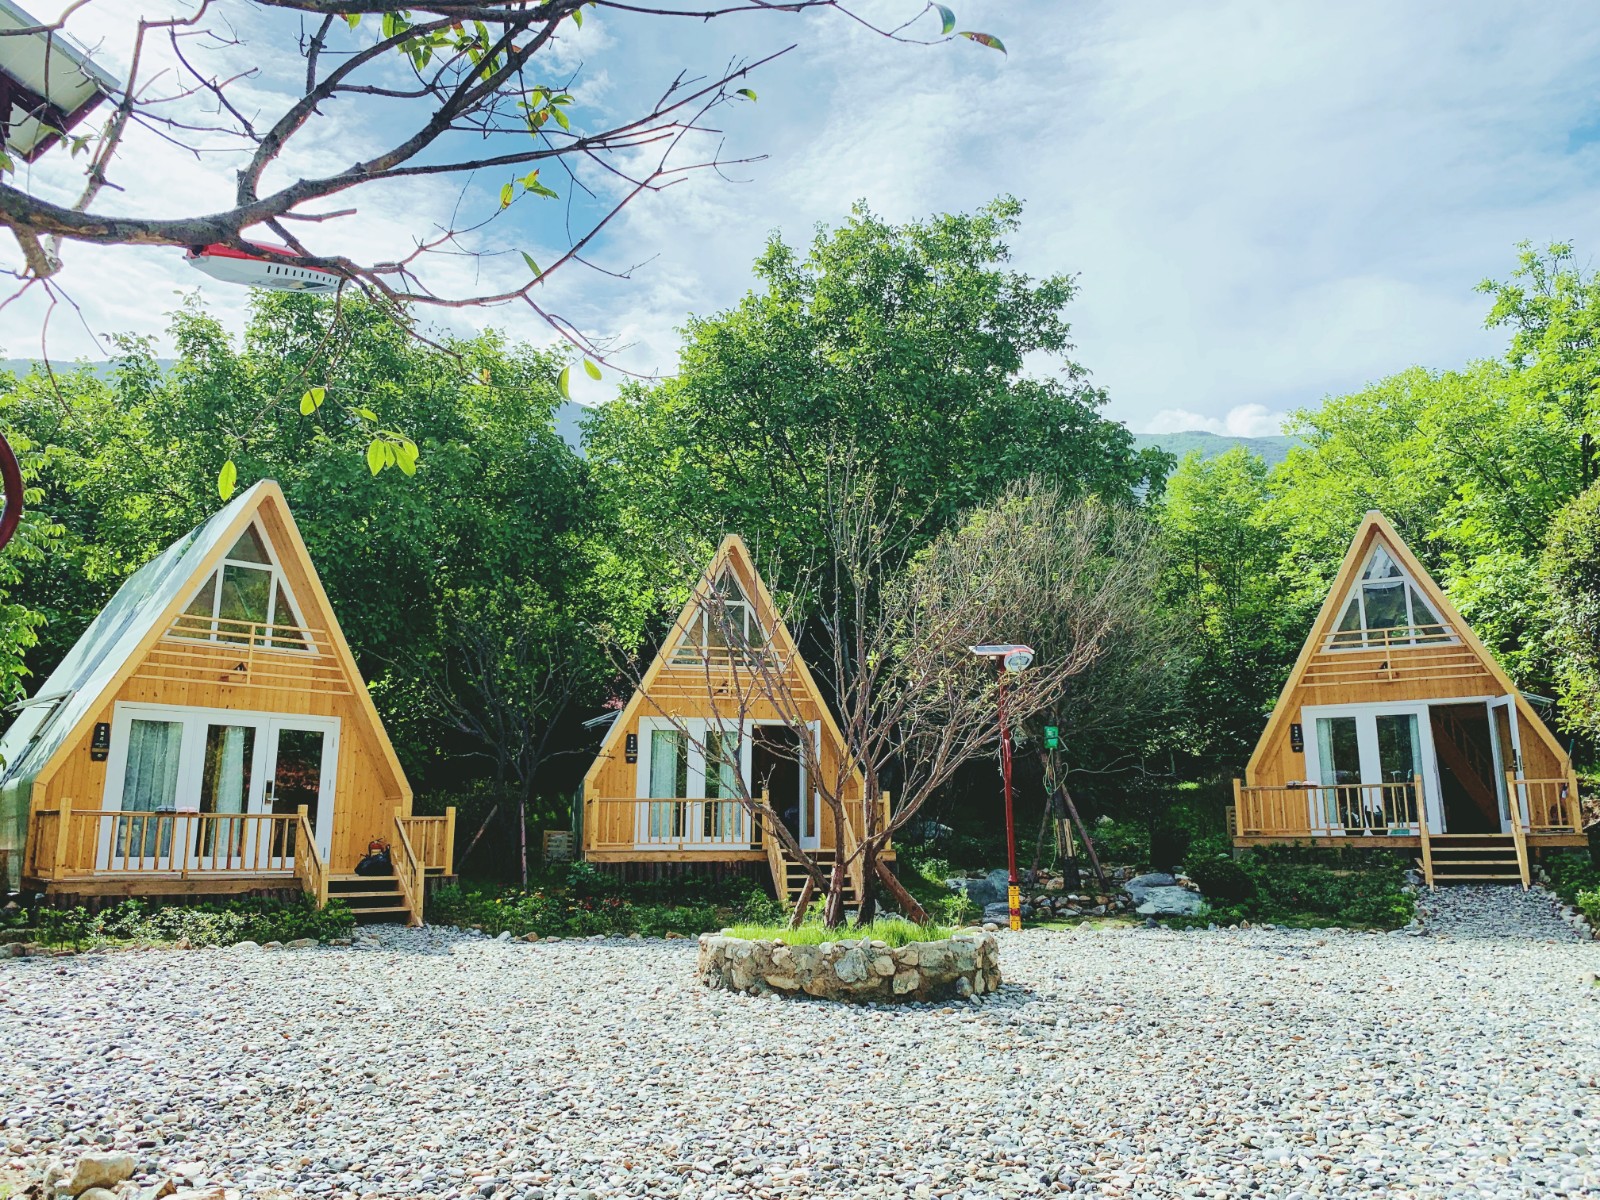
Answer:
(891, 930)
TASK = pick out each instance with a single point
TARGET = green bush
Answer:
(1589, 905)
(595, 904)
(1572, 873)
(1221, 880)
(249, 918)
(1121, 842)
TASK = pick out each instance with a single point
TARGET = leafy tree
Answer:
(33, 542)
(899, 347)
(1226, 543)
(1572, 566)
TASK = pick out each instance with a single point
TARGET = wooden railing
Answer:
(246, 654)
(68, 842)
(1386, 639)
(409, 870)
(434, 839)
(1316, 810)
(634, 824)
(309, 866)
(1427, 845)
(1546, 805)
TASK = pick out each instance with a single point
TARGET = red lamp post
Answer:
(1009, 658)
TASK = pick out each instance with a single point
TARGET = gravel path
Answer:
(1119, 1063)
(1488, 911)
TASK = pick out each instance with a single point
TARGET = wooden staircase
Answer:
(374, 899)
(1468, 763)
(794, 878)
(1475, 858)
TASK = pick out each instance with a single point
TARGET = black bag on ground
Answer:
(376, 864)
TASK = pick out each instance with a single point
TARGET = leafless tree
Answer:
(453, 89)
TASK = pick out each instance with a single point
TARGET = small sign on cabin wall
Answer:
(1297, 738)
(631, 748)
(100, 742)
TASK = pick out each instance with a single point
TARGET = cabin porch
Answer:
(75, 854)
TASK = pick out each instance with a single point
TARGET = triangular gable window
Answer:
(724, 623)
(1386, 608)
(246, 600)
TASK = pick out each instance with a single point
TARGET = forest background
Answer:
(488, 594)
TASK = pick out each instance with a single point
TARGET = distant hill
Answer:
(1273, 449)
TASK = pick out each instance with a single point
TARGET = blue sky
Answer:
(1265, 203)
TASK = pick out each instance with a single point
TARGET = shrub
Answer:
(1589, 905)
(1572, 873)
(252, 918)
(1221, 880)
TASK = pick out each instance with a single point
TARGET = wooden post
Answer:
(63, 824)
(1427, 847)
(450, 840)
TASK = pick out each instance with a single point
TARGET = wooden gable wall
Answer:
(370, 783)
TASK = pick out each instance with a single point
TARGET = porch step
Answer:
(372, 898)
(1475, 858)
(794, 877)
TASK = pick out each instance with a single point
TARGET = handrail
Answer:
(1285, 810)
(1396, 636)
(775, 858)
(410, 871)
(667, 823)
(308, 862)
(431, 836)
(1518, 832)
(1427, 847)
(232, 631)
(68, 842)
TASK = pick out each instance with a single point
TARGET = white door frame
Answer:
(1367, 740)
(191, 761)
(1502, 768)
(694, 820)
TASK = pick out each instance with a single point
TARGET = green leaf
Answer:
(948, 17)
(561, 118)
(505, 196)
(375, 456)
(227, 480)
(532, 266)
(5, 162)
(405, 457)
(352, 19)
(747, 93)
(312, 400)
(592, 370)
(985, 39)
(577, 17)
(562, 381)
(366, 413)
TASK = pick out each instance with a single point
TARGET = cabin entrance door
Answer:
(1505, 742)
(777, 769)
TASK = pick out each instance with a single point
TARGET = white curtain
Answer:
(669, 770)
(149, 783)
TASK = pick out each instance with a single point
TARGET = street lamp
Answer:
(1008, 658)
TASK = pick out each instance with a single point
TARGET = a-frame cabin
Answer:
(1398, 729)
(651, 807)
(210, 734)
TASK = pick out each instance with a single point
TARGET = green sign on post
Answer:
(1052, 737)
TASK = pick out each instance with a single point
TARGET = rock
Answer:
(101, 1169)
(1172, 901)
(505, 936)
(247, 945)
(300, 944)
(999, 913)
(272, 945)
(98, 1193)
(987, 889)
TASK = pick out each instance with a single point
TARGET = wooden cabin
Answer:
(1398, 729)
(651, 805)
(211, 735)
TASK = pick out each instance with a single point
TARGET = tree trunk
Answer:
(907, 901)
(1083, 831)
(807, 890)
(462, 858)
(833, 914)
(522, 836)
(869, 898)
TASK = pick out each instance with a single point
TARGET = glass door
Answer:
(1375, 768)
(151, 769)
(230, 787)
(301, 759)
(1506, 744)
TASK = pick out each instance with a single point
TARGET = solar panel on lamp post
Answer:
(1009, 658)
(47, 85)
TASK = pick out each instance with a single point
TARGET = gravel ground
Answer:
(1116, 1063)
(1488, 911)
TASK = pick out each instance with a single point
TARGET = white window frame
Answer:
(191, 759)
(279, 581)
(692, 644)
(1358, 592)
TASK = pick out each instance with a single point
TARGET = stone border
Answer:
(862, 970)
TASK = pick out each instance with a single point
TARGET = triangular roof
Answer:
(1376, 531)
(731, 554)
(136, 617)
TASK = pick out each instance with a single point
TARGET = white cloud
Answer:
(1243, 420)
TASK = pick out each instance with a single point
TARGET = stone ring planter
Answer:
(966, 964)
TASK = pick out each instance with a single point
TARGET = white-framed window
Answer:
(246, 600)
(1386, 608)
(726, 624)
